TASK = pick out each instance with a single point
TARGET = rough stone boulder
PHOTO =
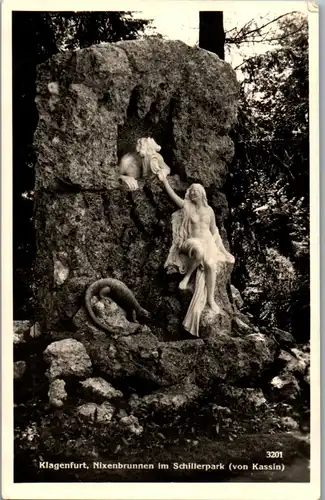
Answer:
(285, 339)
(66, 358)
(236, 360)
(21, 329)
(93, 412)
(93, 105)
(300, 363)
(167, 403)
(100, 389)
(240, 399)
(130, 425)
(135, 355)
(150, 365)
(292, 382)
(284, 387)
(57, 393)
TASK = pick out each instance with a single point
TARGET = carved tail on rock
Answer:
(120, 293)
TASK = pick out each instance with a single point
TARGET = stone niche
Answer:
(93, 105)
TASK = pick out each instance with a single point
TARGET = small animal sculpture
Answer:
(131, 169)
(120, 293)
(145, 162)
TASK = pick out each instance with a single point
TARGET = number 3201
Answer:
(274, 454)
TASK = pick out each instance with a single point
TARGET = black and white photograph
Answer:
(162, 321)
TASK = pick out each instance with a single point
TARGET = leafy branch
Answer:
(237, 36)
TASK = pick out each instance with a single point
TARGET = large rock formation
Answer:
(93, 105)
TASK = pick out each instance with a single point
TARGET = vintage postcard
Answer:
(160, 250)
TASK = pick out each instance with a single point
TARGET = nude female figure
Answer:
(198, 237)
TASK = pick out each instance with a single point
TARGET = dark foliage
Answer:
(269, 183)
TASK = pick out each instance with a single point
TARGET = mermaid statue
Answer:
(196, 247)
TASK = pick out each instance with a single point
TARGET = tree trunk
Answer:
(211, 33)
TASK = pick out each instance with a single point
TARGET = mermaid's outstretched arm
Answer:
(176, 199)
